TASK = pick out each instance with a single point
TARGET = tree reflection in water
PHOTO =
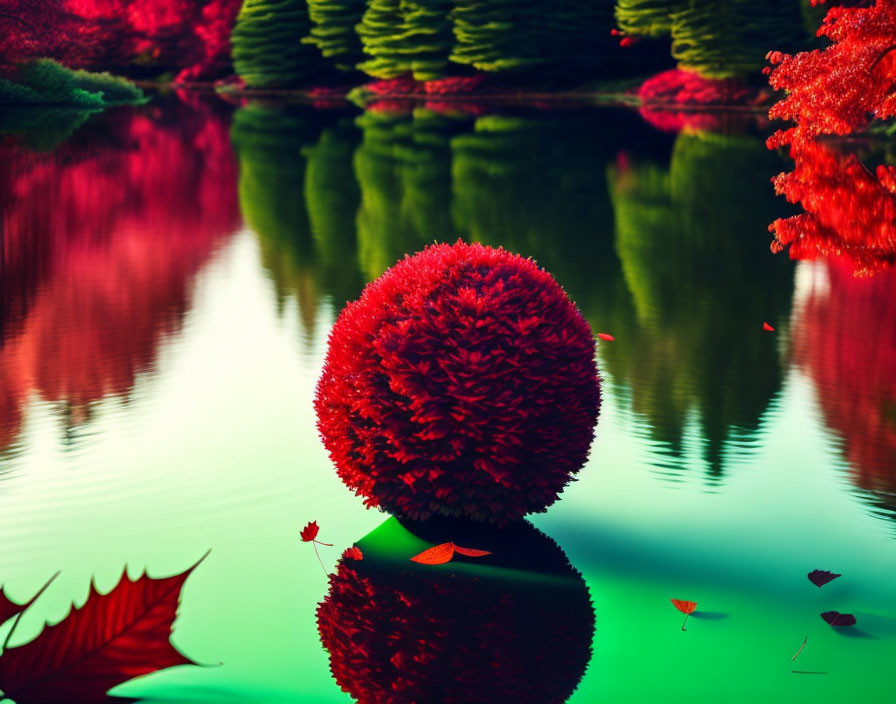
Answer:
(845, 337)
(102, 237)
(690, 239)
(514, 626)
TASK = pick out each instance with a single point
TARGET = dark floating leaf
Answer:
(835, 618)
(821, 577)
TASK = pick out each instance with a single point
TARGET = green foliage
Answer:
(267, 44)
(406, 37)
(645, 18)
(45, 82)
(114, 89)
(693, 245)
(333, 31)
(497, 35)
(725, 38)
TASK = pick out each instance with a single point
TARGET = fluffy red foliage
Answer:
(402, 85)
(170, 34)
(397, 632)
(849, 211)
(101, 242)
(462, 383)
(456, 85)
(845, 337)
(835, 90)
(681, 87)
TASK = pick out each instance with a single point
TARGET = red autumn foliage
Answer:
(682, 87)
(193, 37)
(844, 336)
(462, 383)
(353, 553)
(113, 638)
(849, 211)
(309, 532)
(457, 85)
(102, 239)
(8, 608)
(397, 632)
(837, 89)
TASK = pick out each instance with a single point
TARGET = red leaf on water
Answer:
(606, 336)
(686, 607)
(353, 553)
(309, 532)
(835, 618)
(114, 637)
(470, 552)
(438, 555)
(8, 608)
(821, 577)
(767, 327)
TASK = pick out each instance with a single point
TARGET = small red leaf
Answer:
(767, 327)
(606, 336)
(353, 553)
(821, 577)
(686, 607)
(835, 618)
(438, 555)
(470, 552)
(114, 637)
(309, 532)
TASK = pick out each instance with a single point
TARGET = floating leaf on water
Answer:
(310, 532)
(606, 336)
(821, 577)
(835, 618)
(686, 607)
(470, 552)
(438, 555)
(767, 327)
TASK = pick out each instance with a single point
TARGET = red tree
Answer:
(850, 209)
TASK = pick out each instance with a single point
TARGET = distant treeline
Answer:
(562, 39)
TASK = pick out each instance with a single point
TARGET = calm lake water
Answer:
(169, 277)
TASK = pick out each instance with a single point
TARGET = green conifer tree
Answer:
(333, 31)
(268, 50)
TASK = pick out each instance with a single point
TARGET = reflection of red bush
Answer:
(400, 633)
(462, 382)
(849, 211)
(680, 87)
(845, 336)
(103, 239)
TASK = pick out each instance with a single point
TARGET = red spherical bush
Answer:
(461, 383)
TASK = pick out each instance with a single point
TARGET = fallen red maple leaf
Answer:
(606, 336)
(821, 577)
(835, 618)
(8, 608)
(113, 638)
(440, 554)
(686, 607)
(310, 532)
(767, 327)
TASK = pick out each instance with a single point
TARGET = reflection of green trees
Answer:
(537, 186)
(293, 194)
(403, 167)
(693, 245)
(267, 43)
